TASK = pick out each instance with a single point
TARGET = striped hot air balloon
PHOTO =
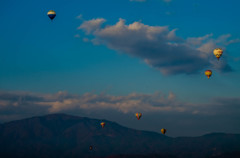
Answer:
(51, 14)
(208, 73)
(138, 115)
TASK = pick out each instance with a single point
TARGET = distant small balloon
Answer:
(163, 130)
(218, 52)
(138, 115)
(51, 14)
(90, 147)
(102, 124)
(208, 73)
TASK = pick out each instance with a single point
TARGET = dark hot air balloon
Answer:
(90, 147)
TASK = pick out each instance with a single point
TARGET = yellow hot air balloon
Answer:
(218, 52)
(208, 73)
(138, 115)
(102, 124)
(163, 130)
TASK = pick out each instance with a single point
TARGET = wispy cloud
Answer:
(158, 46)
(63, 101)
(77, 36)
(79, 17)
(16, 103)
(92, 25)
(198, 40)
(85, 39)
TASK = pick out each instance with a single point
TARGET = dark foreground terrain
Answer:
(61, 135)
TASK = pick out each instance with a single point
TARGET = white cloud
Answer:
(63, 101)
(156, 102)
(158, 46)
(92, 25)
(198, 40)
(125, 104)
(157, 107)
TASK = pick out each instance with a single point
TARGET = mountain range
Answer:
(61, 135)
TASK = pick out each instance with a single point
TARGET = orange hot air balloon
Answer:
(138, 115)
(208, 73)
(218, 52)
(163, 130)
(102, 124)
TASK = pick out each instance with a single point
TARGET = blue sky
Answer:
(75, 55)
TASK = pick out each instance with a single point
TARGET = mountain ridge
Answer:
(62, 135)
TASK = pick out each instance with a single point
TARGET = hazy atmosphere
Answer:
(110, 59)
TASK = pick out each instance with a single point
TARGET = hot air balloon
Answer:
(208, 73)
(218, 52)
(163, 130)
(102, 124)
(51, 14)
(138, 115)
(90, 147)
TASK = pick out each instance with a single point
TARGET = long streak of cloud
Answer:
(16, 103)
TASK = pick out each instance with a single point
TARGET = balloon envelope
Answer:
(138, 115)
(51, 14)
(163, 130)
(102, 124)
(208, 73)
(218, 52)
(90, 147)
